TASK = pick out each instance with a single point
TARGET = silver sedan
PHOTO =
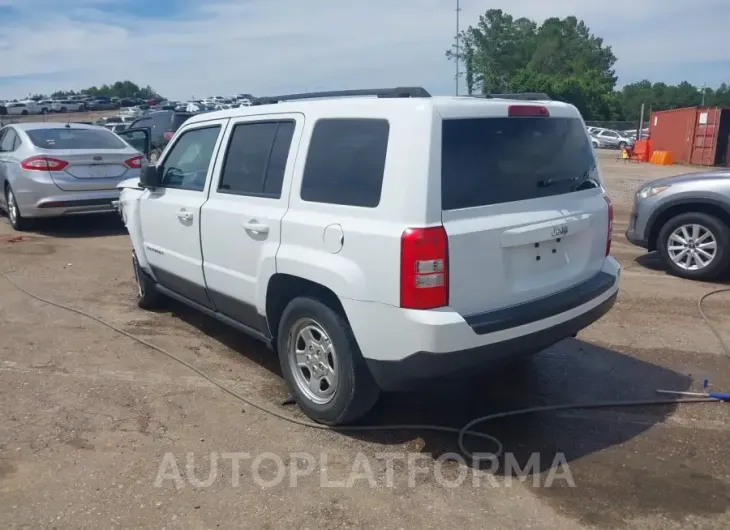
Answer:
(57, 169)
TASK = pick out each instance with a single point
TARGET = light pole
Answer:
(458, 11)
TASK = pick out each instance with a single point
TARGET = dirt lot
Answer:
(87, 416)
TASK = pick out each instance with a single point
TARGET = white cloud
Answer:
(270, 46)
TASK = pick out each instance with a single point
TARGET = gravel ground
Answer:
(93, 424)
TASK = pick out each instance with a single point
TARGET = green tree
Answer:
(120, 89)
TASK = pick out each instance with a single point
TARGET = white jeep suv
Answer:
(379, 240)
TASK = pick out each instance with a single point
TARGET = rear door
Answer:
(522, 206)
(241, 222)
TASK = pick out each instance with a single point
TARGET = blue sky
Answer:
(184, 47)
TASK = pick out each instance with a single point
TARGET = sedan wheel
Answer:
(17, 221)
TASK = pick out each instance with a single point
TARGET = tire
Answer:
(681, 265)
(595, 144)
(355, 391)
(621, 146)
(148, 297)
(24, 112)
(155, 156)
(63, 109)
(17, 221)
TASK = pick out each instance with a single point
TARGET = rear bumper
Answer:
(34, 205)
(420, 368)
(406, 347)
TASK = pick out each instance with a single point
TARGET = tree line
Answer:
(561, 57)
(120, 89)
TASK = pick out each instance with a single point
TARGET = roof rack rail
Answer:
(527, 96)
(397, 92)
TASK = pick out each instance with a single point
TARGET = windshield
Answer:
(71, 138)
(495, 160)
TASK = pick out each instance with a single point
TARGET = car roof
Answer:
(32, 126)
(447, 106)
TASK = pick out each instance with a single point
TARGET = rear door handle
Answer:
(184, 215)
(255, 227)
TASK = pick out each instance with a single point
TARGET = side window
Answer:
(346, 161)
(256, 159)
(144, 122)
(186, 166)
(8, 141)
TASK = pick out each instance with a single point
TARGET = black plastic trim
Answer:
(81, 202)
(425, 369)
(242, 312)
(186, 288)
(542, 308)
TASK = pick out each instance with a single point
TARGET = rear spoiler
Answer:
(524, 96)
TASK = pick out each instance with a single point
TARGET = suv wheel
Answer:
(17, 221)
(322, 364)
(148, 297)
(695, 246)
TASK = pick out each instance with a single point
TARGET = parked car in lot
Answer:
(52, 170)
(613, 139)
(102, 103)
(599, 143)
(686, 219)
(162, 126)
(378, 243)
(68, 105)
(23, 108)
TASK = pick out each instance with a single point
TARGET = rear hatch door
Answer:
(523, 208)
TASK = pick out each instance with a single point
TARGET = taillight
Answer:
(168, 135)
(424, 268)
(610, 224)
(134, 163)
(43, 163)
(527, 110)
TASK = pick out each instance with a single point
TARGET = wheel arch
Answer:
(283, 288)
(667, 212)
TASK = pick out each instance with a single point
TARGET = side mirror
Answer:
(150, 177)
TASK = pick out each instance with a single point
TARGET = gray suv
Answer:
(686, 218)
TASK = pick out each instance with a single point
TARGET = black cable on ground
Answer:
(466, 430)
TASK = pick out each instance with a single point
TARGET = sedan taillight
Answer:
(43, 163)
(134, 163)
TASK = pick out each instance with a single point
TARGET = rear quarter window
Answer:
(487, 161)
(70, 138)
(346, 162)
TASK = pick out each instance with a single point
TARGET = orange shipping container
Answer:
(694, 135)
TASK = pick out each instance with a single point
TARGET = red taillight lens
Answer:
(134, 163)
(424, 268)
(610, 224)
(527, 110)
(43, 163)
(168, 135)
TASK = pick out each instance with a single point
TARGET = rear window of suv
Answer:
(488, 161)
(70, 138)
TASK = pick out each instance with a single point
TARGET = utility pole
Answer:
(458, 11)
(704, 89)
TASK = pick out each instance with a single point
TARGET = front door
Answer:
(170, 214)
(241, 231)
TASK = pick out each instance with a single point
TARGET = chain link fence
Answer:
(86, 116)
(617, 125)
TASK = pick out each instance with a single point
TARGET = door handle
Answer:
(184, 215)
(256, 227)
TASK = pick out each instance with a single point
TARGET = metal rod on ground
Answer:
(721, 396)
